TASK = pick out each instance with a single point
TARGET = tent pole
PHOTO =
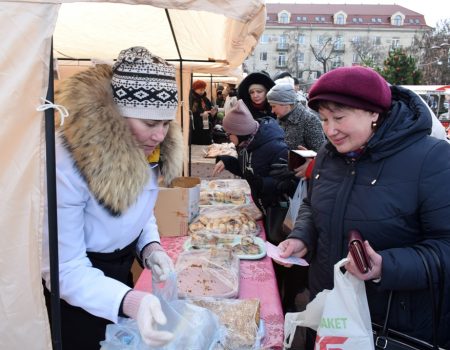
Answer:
(52, 216)
(181, 88)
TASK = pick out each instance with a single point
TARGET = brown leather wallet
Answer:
(357, 250)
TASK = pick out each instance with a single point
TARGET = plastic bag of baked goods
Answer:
(241, 318)
(193, 326)
(222, 220)
(208, 273)
(224, 191)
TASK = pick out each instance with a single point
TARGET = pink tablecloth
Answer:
(257, 281)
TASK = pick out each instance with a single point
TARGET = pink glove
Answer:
(145, 308)
(156, 259)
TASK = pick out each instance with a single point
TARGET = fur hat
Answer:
(282, 94)
(254, 78)
(144, 85)
(239, 121)
(357, 87)
(198, 84)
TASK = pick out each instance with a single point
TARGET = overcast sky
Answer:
(433, 10)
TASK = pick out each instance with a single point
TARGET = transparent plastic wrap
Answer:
(240, 317)
(245, 247)
(222, 220)
(194, 327)
(208, 273)
(220, 149)
(224, 191)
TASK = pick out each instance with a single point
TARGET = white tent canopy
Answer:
(195, 35)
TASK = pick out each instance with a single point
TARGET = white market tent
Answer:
(202, 36)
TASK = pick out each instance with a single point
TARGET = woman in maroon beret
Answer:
(382, 174)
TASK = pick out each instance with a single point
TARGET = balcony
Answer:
(282, 46)
(339, 47)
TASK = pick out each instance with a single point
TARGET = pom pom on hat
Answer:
(282, 94)
(144, 85)
(357, 87)
(198, 84)
(239, 121)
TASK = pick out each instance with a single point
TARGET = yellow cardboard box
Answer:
(176, 206)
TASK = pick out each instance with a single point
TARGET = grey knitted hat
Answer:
(144, 85)
(282, 94)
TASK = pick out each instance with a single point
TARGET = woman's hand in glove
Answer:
(145, 308)
(156, 259)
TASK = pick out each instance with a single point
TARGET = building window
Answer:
(395, 43)
(301, 39)
(263, 56)
(354, 19)
(397, 20)
(373, 20)
(417, 21)
(340, 19)
(264, 39)
(356, 58)
(322, 39)
(281, 62)
(283, 18)
(377, 40)
(379, 20)
(356, 39)
(301, 57)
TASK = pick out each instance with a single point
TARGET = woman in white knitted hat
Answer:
(119, 138)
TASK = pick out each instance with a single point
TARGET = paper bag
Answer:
(340, 316)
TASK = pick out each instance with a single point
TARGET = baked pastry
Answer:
(240, 317)
(246, 247)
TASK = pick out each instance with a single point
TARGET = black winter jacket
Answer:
(397, 194)
(254, 161)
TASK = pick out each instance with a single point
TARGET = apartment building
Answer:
(308, 39)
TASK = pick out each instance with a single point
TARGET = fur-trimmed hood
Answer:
(102, 146)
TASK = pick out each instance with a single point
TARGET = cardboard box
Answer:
(176, 206)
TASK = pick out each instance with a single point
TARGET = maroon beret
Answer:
(198, 84)
(357, 87)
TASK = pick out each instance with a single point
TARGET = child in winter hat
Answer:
(144, 85)
(239, 121)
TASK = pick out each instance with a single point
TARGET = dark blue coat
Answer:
(254, 161)
(396, 194)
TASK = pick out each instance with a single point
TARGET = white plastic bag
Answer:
(194, 327)
(294, 204)
(340, 316)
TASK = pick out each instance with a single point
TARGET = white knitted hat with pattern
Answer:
(144, 85)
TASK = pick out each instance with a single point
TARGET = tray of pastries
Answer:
(207, 273)
(245, 247)
(220, 149)
(224, 191)
(240, 317)
(224, 221)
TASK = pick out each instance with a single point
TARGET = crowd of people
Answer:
(377, 170)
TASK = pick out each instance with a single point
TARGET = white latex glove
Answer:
(150, 314)
(160, 264)
(146, 309)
